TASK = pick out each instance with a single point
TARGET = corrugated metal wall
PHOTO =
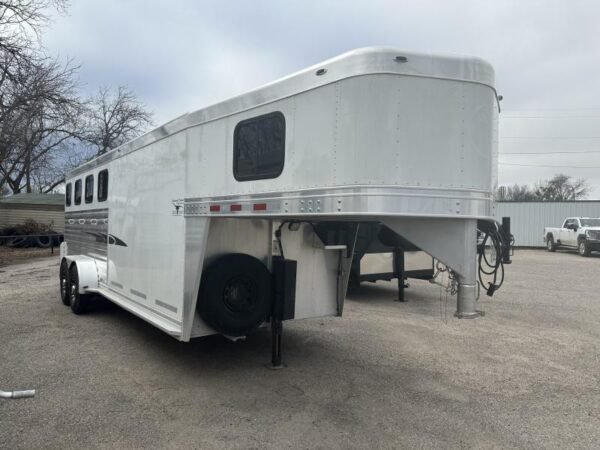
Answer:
(528, 219)
(16, 214)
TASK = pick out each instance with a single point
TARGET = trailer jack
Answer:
(17, 394)
(276, 333)
(284, 304)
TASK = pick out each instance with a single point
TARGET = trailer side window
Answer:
(68, 195)
(259, 147)
(89, 188)
(78, 192)
(102, 185)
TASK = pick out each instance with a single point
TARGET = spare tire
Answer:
(235, 294)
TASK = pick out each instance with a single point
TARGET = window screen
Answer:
(102, 185)
(68, 195)
(78, 192)
(259, 147)
(89, 188)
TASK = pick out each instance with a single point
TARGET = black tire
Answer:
(79, 302)
(550, 245)
(16, 242)
(235, 294)
(43, 241)
(29, 242)
(63, 277)
(583, 248)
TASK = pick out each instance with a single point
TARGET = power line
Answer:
(549, 117)
(550, 109)
(547, 165)
(549, 153)
(550, 137)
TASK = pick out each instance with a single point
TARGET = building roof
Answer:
(34, 199)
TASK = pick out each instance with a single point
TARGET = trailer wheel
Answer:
(64, 282)
(79, 302)
(235, 294)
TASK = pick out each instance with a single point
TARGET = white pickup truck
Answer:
(581, 233)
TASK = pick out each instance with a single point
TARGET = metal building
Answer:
(528, 219)
(48, 209)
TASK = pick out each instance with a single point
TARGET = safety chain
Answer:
(452, 286)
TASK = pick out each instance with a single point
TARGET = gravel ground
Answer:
(386, 375)
(9, 256)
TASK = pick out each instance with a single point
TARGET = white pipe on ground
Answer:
(17, 394)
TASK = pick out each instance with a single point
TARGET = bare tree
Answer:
(45, 130)
(21, 22)
(115, 117)
(562, 188)
(38, 132)
(516, 193)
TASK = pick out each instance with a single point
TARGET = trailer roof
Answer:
(363, 61)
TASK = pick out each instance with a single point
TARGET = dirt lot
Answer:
(386, 375)
(9, 256)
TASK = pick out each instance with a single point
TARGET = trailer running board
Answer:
(165, 323)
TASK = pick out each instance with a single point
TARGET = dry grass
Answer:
(9, 256)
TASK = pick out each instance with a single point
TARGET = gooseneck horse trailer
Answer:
(246, 212)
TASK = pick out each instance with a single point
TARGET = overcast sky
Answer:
(181, 55)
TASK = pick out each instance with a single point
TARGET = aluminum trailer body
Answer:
(408, 140)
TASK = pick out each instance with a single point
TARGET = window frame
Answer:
(90, 198)
(77, 201)
(236, 132)
(103, 174)
(68, 194)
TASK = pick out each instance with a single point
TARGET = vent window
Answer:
(78, 192)
(259, 147)
(68, 195)
(89, 188)
(102, 185)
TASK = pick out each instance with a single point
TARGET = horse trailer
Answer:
(246, 212)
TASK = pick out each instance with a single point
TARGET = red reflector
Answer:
(215, 208)
(260, 207)
(235, 208)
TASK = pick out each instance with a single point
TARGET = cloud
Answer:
(180, 56)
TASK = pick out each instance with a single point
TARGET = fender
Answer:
(88, 272)
(63, 249)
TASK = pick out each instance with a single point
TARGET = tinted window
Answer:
(78, 192)
(259, 147)
(102, 185)
(68, 195)
(89, 188)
